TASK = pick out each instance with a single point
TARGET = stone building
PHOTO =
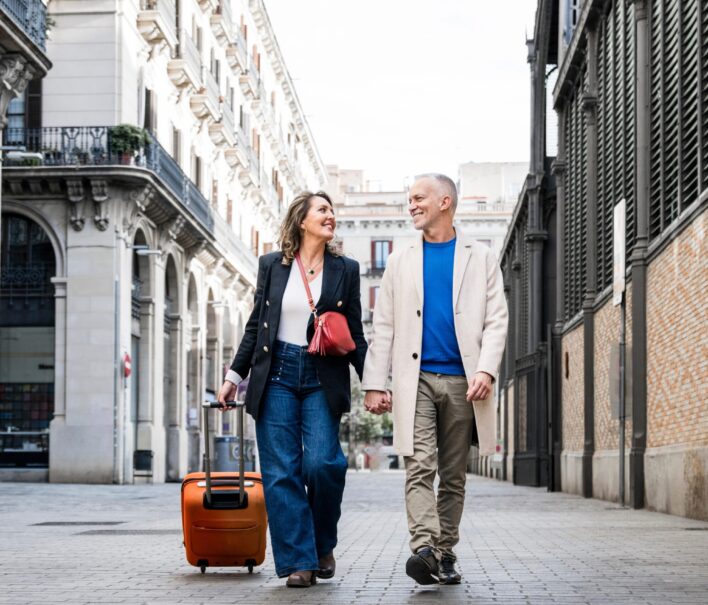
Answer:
(631, 102)
(490, 189)
(135, 249)
(23, 52)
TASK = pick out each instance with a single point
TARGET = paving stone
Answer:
(518, 545)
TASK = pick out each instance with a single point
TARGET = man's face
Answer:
(425, 203)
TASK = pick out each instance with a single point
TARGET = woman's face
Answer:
(319, 221)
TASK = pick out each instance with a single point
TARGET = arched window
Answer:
(27, 264)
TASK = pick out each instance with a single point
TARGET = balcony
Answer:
(185, 70)
(254, 166)
(206, 102)
(268, 193)
(250, 81)
(31, 17)
(237, 54)
(222, 23)
(264, 111)
(223, 132)
(207, 5)
(237, 155)
(91, 146)
(157, 22)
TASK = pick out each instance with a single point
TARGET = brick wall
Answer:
(607, 328)
(677, 345)
(573, 384)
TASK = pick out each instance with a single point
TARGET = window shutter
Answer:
(678, 93)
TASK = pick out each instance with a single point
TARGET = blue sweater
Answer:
(440, 353)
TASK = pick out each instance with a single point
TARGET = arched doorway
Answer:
(27, 322)
(171, 335)
(141, 354)
(193, 376)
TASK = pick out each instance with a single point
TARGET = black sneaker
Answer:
(423, 566)
(448, 574)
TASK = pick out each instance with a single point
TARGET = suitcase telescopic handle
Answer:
(208, 405)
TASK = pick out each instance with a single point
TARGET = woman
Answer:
(296, 398)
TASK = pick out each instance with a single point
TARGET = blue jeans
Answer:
(302, 462)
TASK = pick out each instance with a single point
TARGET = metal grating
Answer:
(74, 523)
(131, 532)
(616, 130)
(575, 203)
(678, 99)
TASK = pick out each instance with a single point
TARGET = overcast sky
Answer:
(399, 87)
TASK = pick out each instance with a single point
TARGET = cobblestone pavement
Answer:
(519, 545)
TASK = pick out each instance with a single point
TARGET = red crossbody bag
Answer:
(332, 335)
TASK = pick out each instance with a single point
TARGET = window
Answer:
(482, 206)
(230, 211)
(380, 249)
(373, 296)
(15, 128)
(150, 120)
(254, 240)
(176, 145)
(197, 170)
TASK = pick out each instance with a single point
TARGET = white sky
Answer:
(399, 87)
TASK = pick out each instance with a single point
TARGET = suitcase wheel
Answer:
(250, 568)
(203, 568)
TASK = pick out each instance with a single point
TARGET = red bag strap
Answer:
(307, 285)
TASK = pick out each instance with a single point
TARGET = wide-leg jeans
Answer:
(302, 462)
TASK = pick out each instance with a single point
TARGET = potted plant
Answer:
(126, 140)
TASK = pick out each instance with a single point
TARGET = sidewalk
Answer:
(519, 545)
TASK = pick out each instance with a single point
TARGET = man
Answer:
(440, 325)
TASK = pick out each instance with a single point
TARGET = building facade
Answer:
(490, 187)
(23, 52)
(631, 100)
(133, 250)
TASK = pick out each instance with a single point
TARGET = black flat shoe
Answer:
(301, 579)
(423, 566)
(327, 566)
(448, 574)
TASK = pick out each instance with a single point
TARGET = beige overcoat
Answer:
(481, 318)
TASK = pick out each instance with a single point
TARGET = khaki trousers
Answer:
(441, 442)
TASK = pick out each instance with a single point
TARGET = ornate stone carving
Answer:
(99, 193)
(75, 195)
(15, 73)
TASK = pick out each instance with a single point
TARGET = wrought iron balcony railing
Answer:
(91, 146)
(31, 16)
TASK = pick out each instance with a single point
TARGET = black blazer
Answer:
(340, 292)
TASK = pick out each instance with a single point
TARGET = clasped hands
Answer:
(479, 388)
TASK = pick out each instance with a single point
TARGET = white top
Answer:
(294, 309)
(294, 312)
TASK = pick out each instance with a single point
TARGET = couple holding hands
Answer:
(439, 331)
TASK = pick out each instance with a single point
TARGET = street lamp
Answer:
(144, 250)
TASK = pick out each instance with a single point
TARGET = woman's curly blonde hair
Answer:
(290, 236)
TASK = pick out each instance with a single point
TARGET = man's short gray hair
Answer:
(447, 184)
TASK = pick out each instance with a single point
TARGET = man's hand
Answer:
(479, 387)
(226, 393)
(377, 402)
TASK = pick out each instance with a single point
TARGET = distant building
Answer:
(489, 190)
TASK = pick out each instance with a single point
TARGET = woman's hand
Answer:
(226, 393)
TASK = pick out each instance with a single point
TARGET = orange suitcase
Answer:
(223, 526)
